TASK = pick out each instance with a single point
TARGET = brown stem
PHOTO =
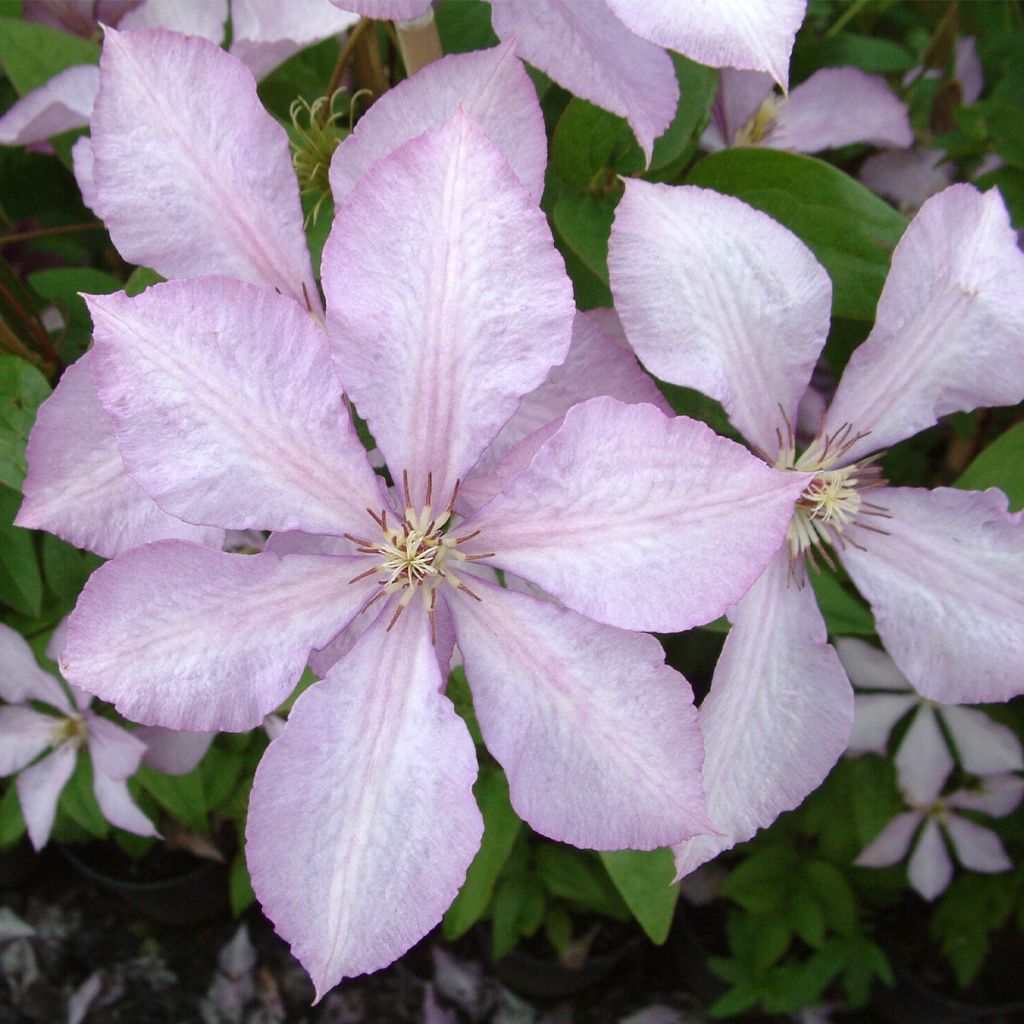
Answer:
(64, 229)
(41, 338)
(343, 58)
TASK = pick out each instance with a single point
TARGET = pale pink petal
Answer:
(923, 761)
(946, 585)
(460, 307)
(81, 165)
(906, 177)
(193, 176)
(21, 678)
(395, 10)
(39, 789)
(717, 296)
(24, 735)
(182, 636)
(117, 805)
(171, 751)
(892, 843)
(492, 86)
(985, 747)
(115, 752)
(205, 19)
(639, 520)
(63, 103)
(273, 726)
(778, 715)
(999, 795)
(362, 821)
(868, 667)
(597, 735)
(968, 71)
(77, 486)
(740, 95)
(949, 334)
(586, 49)
(930, 869)
(874, 716)
(977, 848)
(753, 34)
(267, 32)
(838, 107)
(226, 409)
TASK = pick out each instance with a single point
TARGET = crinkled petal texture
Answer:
(226, 409)
(460, 307)
(930, 870)
(717, 296)
(777, 718)
(923, 761)
(39, 789)
(892, 843)
(985, 747)
(77, 486)
(838, 107)
(977, 848)
(753, 34)
(597, 735)
(740, 95)
(396, 10)
(638, 519)
(21, 678)
(492, 86)
(204, 19)
(63, 103)
(178, 635)
(192, 175)
(584, 47)
(362, 821)
(946, 585)
(949, 334)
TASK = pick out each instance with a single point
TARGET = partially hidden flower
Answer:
(717, 296)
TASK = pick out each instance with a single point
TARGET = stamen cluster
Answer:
(760, 124)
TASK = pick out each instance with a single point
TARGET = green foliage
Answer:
(12, 823)
(1001, 465)
(644, 881)
(22, 389)
(464, 25)
(32, 54)
(182, 796)
(62, 286)
(240, 885)
(844, 613)
(78, 801)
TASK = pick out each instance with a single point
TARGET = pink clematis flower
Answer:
(60, 737)
(611, 51)
(718, 296)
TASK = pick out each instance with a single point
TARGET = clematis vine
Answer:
(717, 296)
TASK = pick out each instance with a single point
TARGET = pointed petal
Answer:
(874, 716)
(492, 86)
(868, 667)
(946, 585)
(178, 635)
(740, 95)
(460, 307)
(395, 10)
(172, 751)
(63, 103)
(81, 165)
(362, 820)
(985, 747)
(639, 520)
(906, 177)
(117, 805)
(77, 486)
(204, 19)
(21, 678)
(753, 34)
(178, 119)
(778, 715)
(977, 848)
(923, 762)
(948, 334)
(39, 789)
(930, 870)
(892, 843)
(226, 410)
(1000, 795)
(838, 107)
(717, 296)
(597, 735)
(115, 752)
(24, 735)
(586, 49)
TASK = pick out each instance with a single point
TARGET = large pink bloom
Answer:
(717, 296)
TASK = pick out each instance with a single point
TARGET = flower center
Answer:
(759, 124)
(70, 728)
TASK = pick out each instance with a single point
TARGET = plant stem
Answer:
(64, 229)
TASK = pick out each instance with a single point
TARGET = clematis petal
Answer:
(968, 70)
(778, 715)
(490, 85)
(62, 103)
(868, 667)
(946, 585)
(192, 175)
(586, 49)
(753, 34)
(438, 353)
(77, 486)
(923, 762)
(226, 410)
(394, 10)
(24, 735)
(950, 321)
(115, 752)
(362, 820)
(717, 296)
(977, 848)
(838, 107)
(930, 869)
(639, 520)
(906, 177)
(81, 165)
(39, 789)
(892, 843)
(985, 747)
(740, 95)
(265, 33)
(21, 678)
(204, 19)
(1000, 795)
(178, 635)
(172, 751)
(874, 716)
(597, 735)
(118, 807)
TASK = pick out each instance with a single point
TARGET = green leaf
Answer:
(517, 910)
(697, 85)
(32, 54)
(140, 279)
(834, 896)
(558, 928)
(880, 56)
(578, 877)
(464, 25)
(66, 569)
(63, 284)
(584, 141)
(12, 823)
(772, 936)
(850, 230)
(1001, 465)
(22, 389)
(501, 826)
(843, 612)
(78, 801)
(584, 221)
(219, 770)
(21, 583)
(807, 918)
(240, 885)
(739, 998)
(181, 796)
(758, 884)
(644, 880)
